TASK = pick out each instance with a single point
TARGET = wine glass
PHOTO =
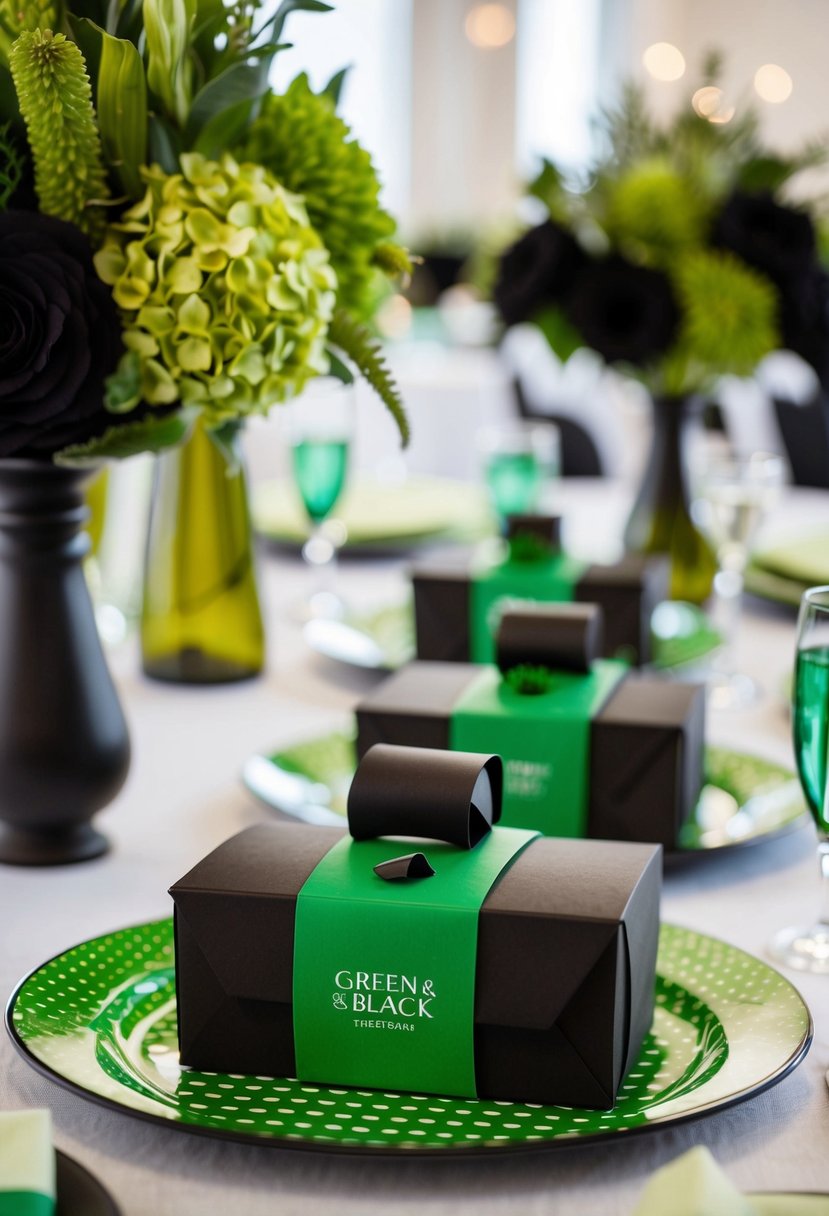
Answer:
(321, 427)
(735, 492)
(807, 949)
(518, 461)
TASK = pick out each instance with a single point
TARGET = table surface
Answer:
(184, 796)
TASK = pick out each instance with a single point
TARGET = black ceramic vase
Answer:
(64, 747)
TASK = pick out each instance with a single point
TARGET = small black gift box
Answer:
(642, 766)
(457, 601)
(564, 963)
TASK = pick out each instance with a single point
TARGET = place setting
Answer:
(414, 681)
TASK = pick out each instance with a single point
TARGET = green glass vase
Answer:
(201, 622)
(660, 521)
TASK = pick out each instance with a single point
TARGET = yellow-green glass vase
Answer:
(201, 622)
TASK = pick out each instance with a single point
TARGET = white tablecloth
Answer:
(183, 797)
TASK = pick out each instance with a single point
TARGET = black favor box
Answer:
(646, 744)
(566, 958)
(627, 591)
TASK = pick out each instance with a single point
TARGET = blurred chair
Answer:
(784, 410)
(573, 395)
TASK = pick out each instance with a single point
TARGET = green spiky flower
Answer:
(15, 17)
(310, 150)
(225, 290)
(55, 98)
(728, 311)
(654, 212)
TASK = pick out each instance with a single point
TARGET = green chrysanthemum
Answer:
(309, 149)
(654, 212)
(729, 320)
(225, 290)
(55, 98)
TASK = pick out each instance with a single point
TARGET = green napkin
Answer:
(27, 1163)
(805, 560)
(694, 1185)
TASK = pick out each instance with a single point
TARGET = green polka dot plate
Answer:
(745, 801)
(101, 1019)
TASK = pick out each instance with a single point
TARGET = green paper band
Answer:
(509, 583)
(384, 973)
(544, 741)
(26, 1203)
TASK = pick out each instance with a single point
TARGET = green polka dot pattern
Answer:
(102, 1017)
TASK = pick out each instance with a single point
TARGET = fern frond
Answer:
(12, 164)
(357, 342)
(55, 96)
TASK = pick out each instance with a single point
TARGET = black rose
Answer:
(538, 269)
(776, 240)
(627, 313)
(60, 336)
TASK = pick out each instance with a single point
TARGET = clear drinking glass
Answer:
(735, 492)
(519, 460)
(807, 949)
(321, 428)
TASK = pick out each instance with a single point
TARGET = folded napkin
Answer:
(805, 560)
(27, 1163)
(694, 1185)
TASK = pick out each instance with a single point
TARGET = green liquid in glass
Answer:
(811, 728)
(319, 467)
(514, 480)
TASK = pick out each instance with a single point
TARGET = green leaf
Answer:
(125, 20)
(357, 342)
(164, 143)
(226, 438)
(563, 337)
(9, 106)
(168, 25)
(335, 85)
(211, 21)
(241, 82)
(338, 368)
(224, 130)
(765, 173)
(121, 103)
(150, 434)
(295, 6)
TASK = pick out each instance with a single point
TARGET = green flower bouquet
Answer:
(238, 233)
(678, 260)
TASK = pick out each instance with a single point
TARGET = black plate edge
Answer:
(66, 1164)
(350, 1150)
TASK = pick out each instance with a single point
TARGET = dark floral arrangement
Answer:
(179, 244)
(680, 259)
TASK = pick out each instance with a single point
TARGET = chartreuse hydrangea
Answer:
(653, 212)
(728, 311)
(226, 291)
(55, 97)
(300, 138)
